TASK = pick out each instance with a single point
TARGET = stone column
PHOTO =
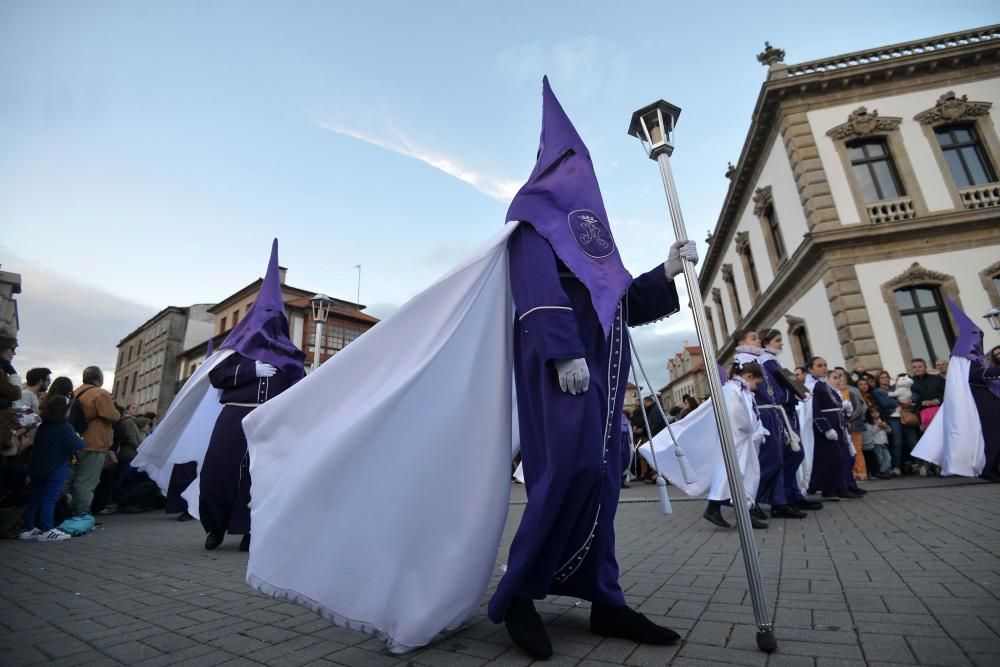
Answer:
(850, 316)
(807, 168)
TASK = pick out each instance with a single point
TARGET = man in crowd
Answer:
(100, 413)
(36, 383)
(928, 390)
(941, 365)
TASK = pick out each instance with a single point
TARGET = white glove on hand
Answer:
(574, 376)
(854, 452)
(264, 369)
(831, 435)
(847, 406)
(680, 249)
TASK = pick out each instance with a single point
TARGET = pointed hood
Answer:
(262, 334)
(969, 342)
(562, 201)
(209, 350)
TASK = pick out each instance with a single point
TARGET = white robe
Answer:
(954, 438)
(805, 414)
(425, 399)
(698, 435)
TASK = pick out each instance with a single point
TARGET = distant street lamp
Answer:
(993, 317)
(321, 304)
(654, 126)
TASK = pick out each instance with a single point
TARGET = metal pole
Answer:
(765, 629)
(316, 343)
(358, 267)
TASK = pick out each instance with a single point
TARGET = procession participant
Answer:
(256, 362)
(182, 475)
(573, 299)
(837, 379)
(749, 433)
(778, 392)
(964, 438)
(829, 455)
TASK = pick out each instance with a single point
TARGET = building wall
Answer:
(919, 150)
(963, 265)
(814, 308)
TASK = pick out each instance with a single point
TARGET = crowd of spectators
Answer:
(67, 454)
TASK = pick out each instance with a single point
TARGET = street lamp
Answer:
(321, 304)
(993, 317)
(653, 125)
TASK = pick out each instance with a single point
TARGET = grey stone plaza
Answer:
(908, 575)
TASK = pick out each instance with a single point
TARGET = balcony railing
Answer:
(891, 210)
(981, 196)
(895, 52)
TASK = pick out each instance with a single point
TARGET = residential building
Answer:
(687, 377)
(147, 357)
(866, 192)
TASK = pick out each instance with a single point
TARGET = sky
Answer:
(150, 151)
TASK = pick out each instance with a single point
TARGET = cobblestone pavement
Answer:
(909, 575)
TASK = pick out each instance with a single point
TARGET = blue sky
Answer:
(150, 151)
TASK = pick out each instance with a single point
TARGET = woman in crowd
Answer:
(890, 411)
(690, 403)
(55, 443)
(830, 452)
(856, 426)
(838, 380)
(61, 386)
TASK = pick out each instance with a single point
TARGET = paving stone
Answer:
(886, 648)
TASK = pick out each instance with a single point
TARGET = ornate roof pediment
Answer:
(762, 198)
(917, 274)
(949, 107)
(862, 123)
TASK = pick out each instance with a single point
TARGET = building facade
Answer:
(346, 321)
(147, 357)
(687, 377)
(10, 286)
(866, 192)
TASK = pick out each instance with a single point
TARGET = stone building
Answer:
(345, 323)
(866, 192)
(147, 357)
(687, 377)
(10, 286)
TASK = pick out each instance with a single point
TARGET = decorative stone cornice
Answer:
(794, 322)
(742, 242)
(917, 274)
(770, 55)
(862, 123)
(762, 198)
(727, 273)
(717, 295)
(950, 107)
(730, 171)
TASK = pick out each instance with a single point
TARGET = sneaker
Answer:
(29, 534)
(896, 472)
(53, 535)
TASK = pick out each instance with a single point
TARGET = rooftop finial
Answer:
(770, 55)
(730, 171)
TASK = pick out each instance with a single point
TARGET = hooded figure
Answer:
(255, 363)
(412, 559)
(573, 299)
(964, 436)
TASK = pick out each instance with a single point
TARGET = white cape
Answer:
(698, 436)
(804, 410)
(954, 438)
(183, 434)
(422, 404)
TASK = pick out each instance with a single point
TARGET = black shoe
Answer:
(245, 543)
(787, 512)
(858, 491)
(809, 505)
(848, 494)
(830, 497)
(527, 630)
(213, 540)
(626, 623)
(184, 516)
(757, 523)
(758, 513)
(714, 514)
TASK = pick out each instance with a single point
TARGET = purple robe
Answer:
(829, 457)
(570, 445)
(982, 380)
(776, 455)
(224, 504)
(181, 476)
(791, 460)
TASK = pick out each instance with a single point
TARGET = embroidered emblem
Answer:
(591, 234)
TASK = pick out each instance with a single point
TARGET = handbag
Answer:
(908, 417)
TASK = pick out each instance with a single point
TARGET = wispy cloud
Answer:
(499, 189)
(582, 66)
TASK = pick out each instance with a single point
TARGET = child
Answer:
(875, 433)
(55, 443)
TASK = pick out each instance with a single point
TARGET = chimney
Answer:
(282, 270)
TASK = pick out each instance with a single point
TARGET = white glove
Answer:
(264, 369)
(831, 435)
(680, 249)
(574, 376)
(854, 452)
(847, 406)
